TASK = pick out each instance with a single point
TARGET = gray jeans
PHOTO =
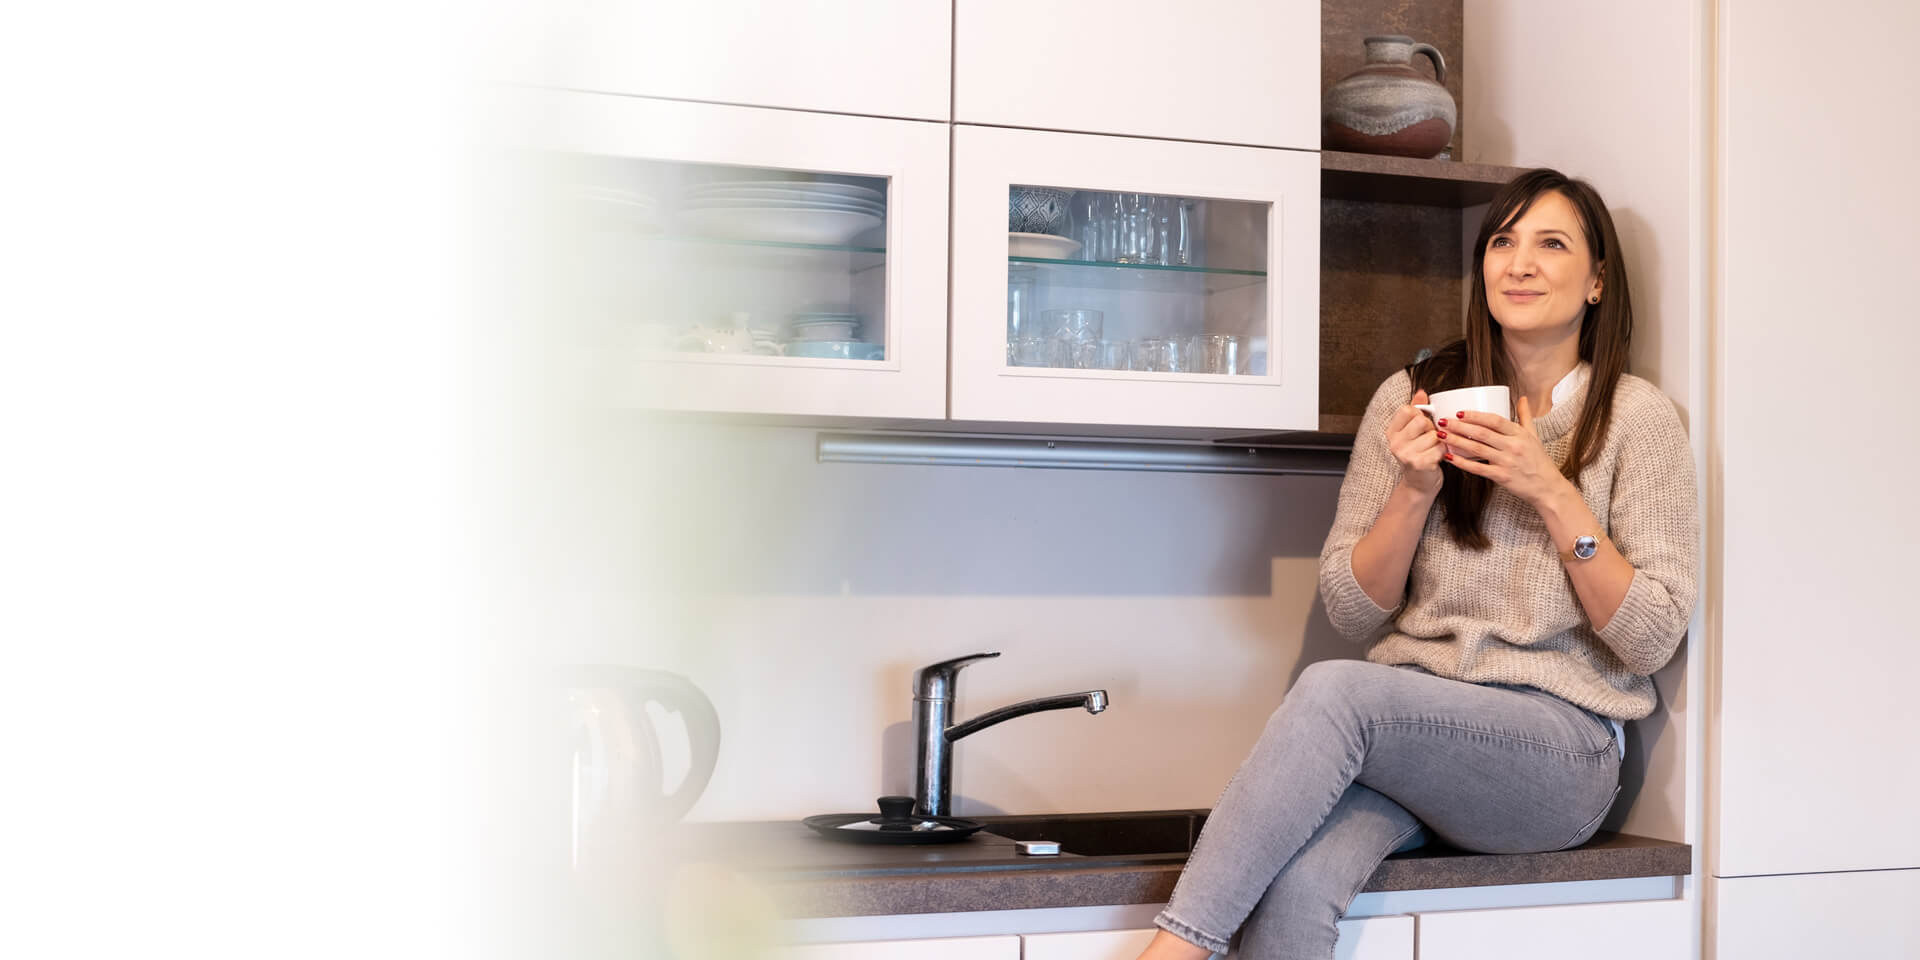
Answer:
(1357, 759)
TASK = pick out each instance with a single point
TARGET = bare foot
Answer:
(1166, 946)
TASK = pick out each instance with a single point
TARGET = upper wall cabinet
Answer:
(885, 58)
(1229, 71)
(737, 259)
(1146, 282)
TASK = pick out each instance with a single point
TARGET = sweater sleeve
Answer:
(1371, 475)
(1654, 522)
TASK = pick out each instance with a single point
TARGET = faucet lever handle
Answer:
(935, 681)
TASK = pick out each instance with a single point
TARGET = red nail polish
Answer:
(1443, 421)
(1461, 414)
(1449, 456)
(1442, 433)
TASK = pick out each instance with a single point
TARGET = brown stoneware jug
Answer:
(1389, 106)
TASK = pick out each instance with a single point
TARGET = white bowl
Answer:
(779, 224)
(816, 186)
(825, 329)
(836, 350)
(1044, 246)
(772, 198)
(735, 203)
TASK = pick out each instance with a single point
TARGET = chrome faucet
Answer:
(933, 691)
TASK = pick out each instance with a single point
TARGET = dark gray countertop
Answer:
(814, 877)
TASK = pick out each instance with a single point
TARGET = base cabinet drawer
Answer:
(1644, 930)
(958, 948)
(1092, 945)
(1373, 938)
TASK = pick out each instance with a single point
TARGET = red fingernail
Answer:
(1442, 433)
(1461, 414)
(1449, 456)
(1443, 421)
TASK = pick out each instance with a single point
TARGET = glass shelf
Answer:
(1148, 277)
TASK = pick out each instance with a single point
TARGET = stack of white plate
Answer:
(615, 206)
(786, 211)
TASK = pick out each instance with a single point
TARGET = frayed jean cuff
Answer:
(1167, 922)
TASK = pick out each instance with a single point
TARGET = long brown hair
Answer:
(1606, 332)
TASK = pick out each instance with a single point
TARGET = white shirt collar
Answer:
(1571, 382)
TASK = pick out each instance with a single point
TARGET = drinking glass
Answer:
(1149, 353)
(1089, 224)
(1020, 304)
(1221, 353)
(1136, 240)
(1177, 355)
(1185, 223)
(1078, 324)
(1112, 216)
(1038, 352)
(1102, 355)
(1165, 230)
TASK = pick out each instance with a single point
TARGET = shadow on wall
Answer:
(1322, 642)
(750, 510)
(1660, 812)
(1643, 273)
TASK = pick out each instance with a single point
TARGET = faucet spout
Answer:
(1093, 701)
(934, 733)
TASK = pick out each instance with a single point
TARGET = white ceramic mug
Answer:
(1449, 403)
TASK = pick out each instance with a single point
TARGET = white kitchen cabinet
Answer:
(1375, 938)
(1860, 915)
(690, 298)
(886, 58)
(959, 948)
(1831, 783)
(1645, 930)
(1225, 71)
(1372, 938)
(1249, 280)
(1089, 945)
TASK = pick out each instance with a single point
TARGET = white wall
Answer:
(1609, 93)
(801, 596)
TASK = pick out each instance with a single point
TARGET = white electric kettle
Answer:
(639, 748)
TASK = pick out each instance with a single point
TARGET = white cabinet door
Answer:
(1092, 945)
(1644, 930)
(887, 58)
(1372, 938)
(1375, 938)
(962, 948)
(696, 272)
(1226, 71)
(1865, 915)
(1810, 790)
(1233, 260)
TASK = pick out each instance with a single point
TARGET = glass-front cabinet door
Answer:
(1145, 282)
(744, 260)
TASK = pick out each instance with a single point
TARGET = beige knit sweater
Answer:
(1509, 614)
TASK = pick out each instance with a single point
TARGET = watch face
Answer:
(1585, 547)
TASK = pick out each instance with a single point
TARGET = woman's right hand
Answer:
(1413, 440)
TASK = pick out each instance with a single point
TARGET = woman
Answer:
(1518, 582)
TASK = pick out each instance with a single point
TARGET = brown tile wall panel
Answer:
(1391, 282)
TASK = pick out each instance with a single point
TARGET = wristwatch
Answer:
(1584, 547)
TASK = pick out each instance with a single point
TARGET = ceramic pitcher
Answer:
(1389, 106)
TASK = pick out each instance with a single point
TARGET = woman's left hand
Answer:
(1515, 457)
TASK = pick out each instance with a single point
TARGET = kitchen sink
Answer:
(1158, 836)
